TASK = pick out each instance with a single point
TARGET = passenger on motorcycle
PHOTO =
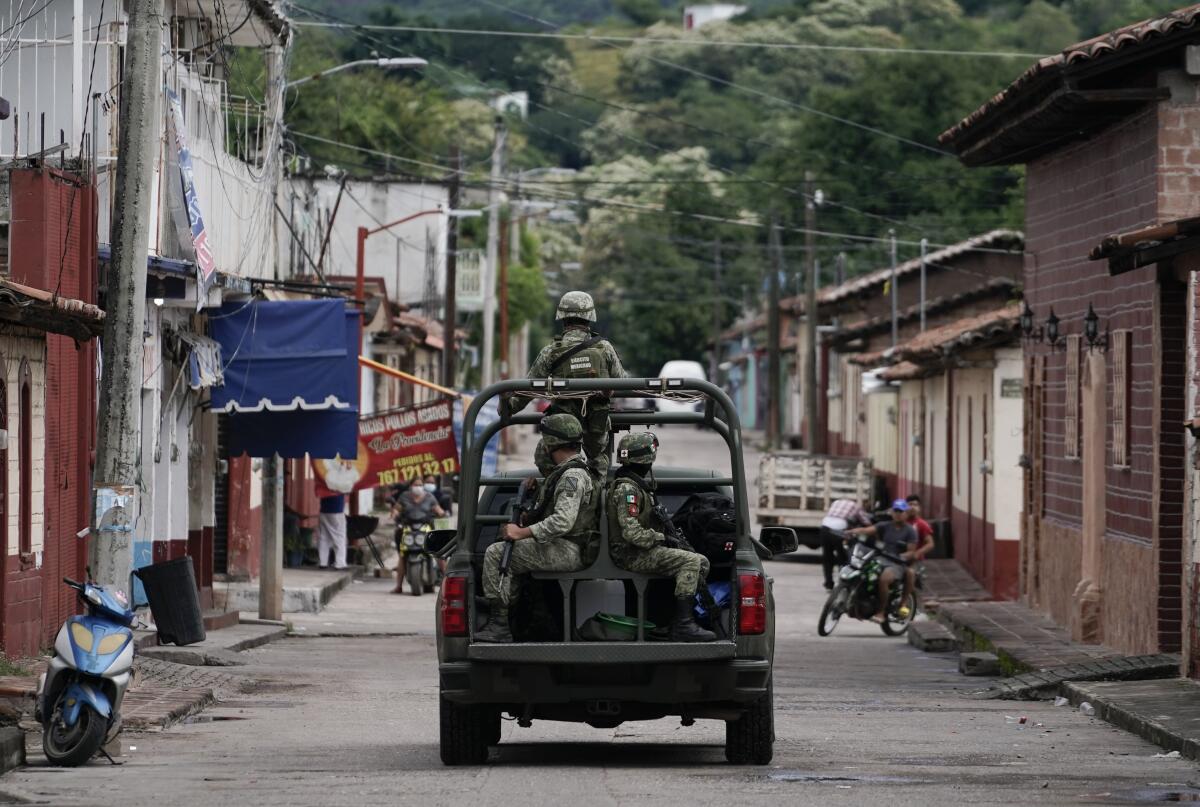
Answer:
(925, 543)
(899, 539)
(414, 506)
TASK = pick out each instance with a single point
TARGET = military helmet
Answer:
(576, 305)
(560, 430)
(637, 448)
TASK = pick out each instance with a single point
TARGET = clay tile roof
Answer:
(985, 327)
(989, 327)
(995, 239)
(903, 371)
(1176, 28)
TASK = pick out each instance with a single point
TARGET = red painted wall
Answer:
(52, 243)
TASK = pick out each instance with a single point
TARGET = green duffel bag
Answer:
(604, 627)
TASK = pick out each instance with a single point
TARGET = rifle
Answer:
(522, 509)
(674, 537)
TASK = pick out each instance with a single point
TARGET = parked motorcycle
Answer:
(80, 694)
(856, 593)
(422, 569)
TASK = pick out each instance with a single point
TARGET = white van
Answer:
(680, 368)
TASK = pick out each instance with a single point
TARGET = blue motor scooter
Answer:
(80, 694)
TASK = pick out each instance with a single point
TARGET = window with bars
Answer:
(1071, 402)
(1121, 343)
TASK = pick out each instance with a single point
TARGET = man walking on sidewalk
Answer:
(331, 532)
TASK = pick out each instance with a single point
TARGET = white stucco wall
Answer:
(1007, 442)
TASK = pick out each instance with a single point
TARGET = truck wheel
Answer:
(463, 734)
(751, 740)
(491, 726)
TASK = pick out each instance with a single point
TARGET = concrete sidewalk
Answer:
(369, 608)
(1040, 655)
(1165, 712)
(304, 590)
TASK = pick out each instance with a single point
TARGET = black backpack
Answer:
(710, 524)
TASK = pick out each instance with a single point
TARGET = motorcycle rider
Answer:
(414, 506)
(843, 514)
(898, 537)
(638, 543)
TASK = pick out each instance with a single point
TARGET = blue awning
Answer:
(291, 377)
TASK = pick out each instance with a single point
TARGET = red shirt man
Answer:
(924, 531)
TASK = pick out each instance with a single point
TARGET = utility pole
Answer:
(924, 245)
(118, 471)
(715, 356)
(270, 570)
(493, 243)
(449, 324)
(503, 301)
(840, 276)
(774, 438)
(811, 410)
(895, 293)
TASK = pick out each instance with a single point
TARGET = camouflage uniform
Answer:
(561, 540)
(636, 545)
(599, 360)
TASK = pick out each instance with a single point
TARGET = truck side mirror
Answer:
(780, 540)
(439, 540)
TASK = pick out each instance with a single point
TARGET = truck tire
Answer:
(751, 739)
(463, 733)
(491, 726)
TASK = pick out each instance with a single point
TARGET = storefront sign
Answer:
(1011, 387)
(206, 267)
(394, 447)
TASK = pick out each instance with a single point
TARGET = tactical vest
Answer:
(645, 517)
(585, 533)
(590, 362)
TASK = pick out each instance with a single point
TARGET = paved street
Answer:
(860, 718)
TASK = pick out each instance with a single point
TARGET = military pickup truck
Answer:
(548, 673)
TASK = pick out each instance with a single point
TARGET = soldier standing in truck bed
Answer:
(578, 352)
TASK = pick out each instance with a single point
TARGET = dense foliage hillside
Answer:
(686, 148)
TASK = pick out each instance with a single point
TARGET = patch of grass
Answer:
(13, 666)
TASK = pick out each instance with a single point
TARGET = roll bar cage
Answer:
(719, 414)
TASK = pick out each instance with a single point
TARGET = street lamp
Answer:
(364, 234)
(387, 64)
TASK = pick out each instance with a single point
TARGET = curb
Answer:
(12, 749)
(258, 641)
(197, 700)
(1147, 728)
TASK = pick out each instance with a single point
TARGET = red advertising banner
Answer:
(394, 447)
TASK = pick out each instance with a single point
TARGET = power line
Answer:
(651, 40)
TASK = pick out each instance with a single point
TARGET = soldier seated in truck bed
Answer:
(563, 526)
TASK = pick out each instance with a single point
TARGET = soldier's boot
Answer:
(684, 628)
(496, 630)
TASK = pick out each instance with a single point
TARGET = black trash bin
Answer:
(174, 601)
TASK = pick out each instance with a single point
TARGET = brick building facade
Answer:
(1102, 129)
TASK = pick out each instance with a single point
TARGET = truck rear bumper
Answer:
(689, 682)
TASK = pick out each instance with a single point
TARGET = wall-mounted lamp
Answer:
(1091, 331)
(1031, 332)
(1052, 335)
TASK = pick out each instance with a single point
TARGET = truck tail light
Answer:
(453, 608)
(752, 603)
